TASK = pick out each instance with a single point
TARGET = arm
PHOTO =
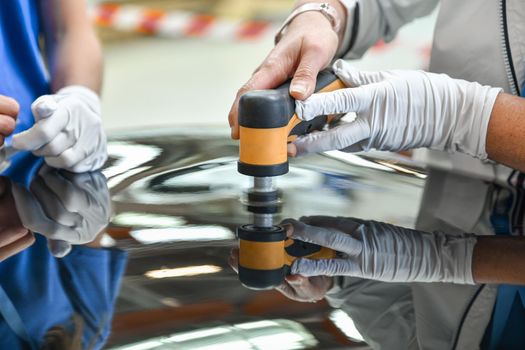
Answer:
(74, 55)
(498, 259)
(383, 252)
(68, 130)
(380, 19)
(506, 131)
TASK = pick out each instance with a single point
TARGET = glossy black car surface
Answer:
(176, 198)
(157, 277)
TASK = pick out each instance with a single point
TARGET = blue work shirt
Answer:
(23, 75)
(47, 292)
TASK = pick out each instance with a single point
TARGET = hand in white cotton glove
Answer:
(379, 251)
(68, 130)
(295, 287)
(398, 110)
(67, 208)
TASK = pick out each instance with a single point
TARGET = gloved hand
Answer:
(295, 287)
(68, 130)
(399, 110)
(66, 208)
(379, 251)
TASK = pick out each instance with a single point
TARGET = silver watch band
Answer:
(328, 11)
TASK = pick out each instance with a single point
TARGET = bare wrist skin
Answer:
(499, 259)
(341, 11)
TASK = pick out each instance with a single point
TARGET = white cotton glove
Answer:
(67, 208)
(379, 251)
(68, 130)
(401, 109)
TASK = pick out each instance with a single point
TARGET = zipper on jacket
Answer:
(507, 54)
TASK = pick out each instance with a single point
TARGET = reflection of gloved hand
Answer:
(68, 130)
(379, 251)
(295, 287)
(401, 109)
(66, 208)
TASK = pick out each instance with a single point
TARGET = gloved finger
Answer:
(345, 224)
(59, 248)
(73, 197)
(93, 184)
(335, 102)
(81, 157)
(339, 138)
(68, 159)
(326, 267)
(42, 132)
(353, 77)
(305, 76)
(44, 107)
(92, 163)
(52, 205)
(56, 147)
(287, 290)
(31, 213)
(329, 238)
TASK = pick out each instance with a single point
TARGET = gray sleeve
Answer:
(382, 312)
(369, 21)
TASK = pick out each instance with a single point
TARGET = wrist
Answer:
(87, 95)
(456, 257)
(334, 17)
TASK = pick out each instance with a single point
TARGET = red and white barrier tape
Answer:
(179, 24)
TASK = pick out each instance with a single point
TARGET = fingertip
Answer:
(291, 150)
(296, 279)
(44, 106)
(288, 228)
(301, 90)
(235, 133)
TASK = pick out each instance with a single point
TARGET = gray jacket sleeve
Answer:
(371, 20)
(382, 312)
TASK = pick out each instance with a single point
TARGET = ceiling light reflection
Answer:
(278, 334)
(345, 324)
(186, 233)
(134, 219)
(183, 271)
(356, 160)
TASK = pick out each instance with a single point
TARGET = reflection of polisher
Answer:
(267, 123)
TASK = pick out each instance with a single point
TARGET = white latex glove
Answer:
(68, 130)
(401, 109)
(379, 251)
(67, 208)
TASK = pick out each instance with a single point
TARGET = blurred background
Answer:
(180, 62)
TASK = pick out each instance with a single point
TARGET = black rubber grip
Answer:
(265, 109)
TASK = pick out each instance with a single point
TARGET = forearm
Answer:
(506, 132)
(74, 54)
(498, 259)
(78, 61)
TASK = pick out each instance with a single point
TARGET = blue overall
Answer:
(23, 75)
(39, 291)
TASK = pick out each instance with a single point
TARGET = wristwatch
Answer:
(328, 11)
